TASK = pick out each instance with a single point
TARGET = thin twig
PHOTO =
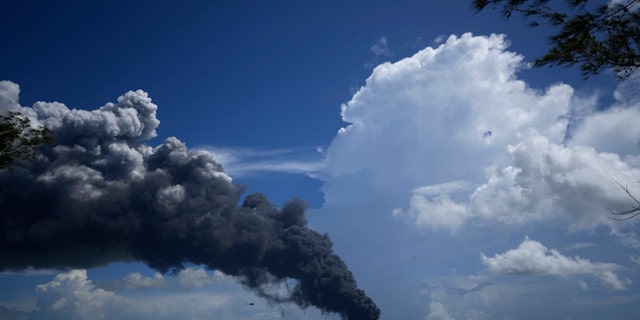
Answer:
(634, 211)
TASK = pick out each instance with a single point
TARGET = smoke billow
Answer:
(99, 195)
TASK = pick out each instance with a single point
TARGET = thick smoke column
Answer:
(99, 195)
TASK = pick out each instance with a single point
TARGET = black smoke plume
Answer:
(99, 195)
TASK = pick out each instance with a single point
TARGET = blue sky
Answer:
(454, 181)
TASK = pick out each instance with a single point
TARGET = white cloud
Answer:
(583, 285)
(71, 295)
(459, 113)
(381, 52)
(180, 305)
(193, 278)
(533, 258)
(579, 245)
(627, 237)
(424, 120)
(9, 96)
(437, 311)
(244, 162)
(439, 39)
(136, 280)
(626, 93)
(547, 180)
(450, 139)
(431, 206)
(506, 297)
(381, 48)
(613, 131)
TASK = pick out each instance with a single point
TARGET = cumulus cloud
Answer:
(451, 142)
(71, 295)
(458, 112)
(424, 119)
(193, 278)
(437, 311)
(452, 139)
(136, 280)
(547, 180)
(533, 258)
(431, 206)
(610, 131)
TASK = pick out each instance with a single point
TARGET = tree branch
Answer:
(633, 212)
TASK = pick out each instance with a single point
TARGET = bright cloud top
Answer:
(533, 258)
(195, 278)
(456, 113)
(72, 295)
(136, 280)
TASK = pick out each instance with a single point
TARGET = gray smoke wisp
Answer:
(99, 194)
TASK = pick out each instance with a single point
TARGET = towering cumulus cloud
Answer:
(99, 195)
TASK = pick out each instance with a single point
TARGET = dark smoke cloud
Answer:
(99, 195)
